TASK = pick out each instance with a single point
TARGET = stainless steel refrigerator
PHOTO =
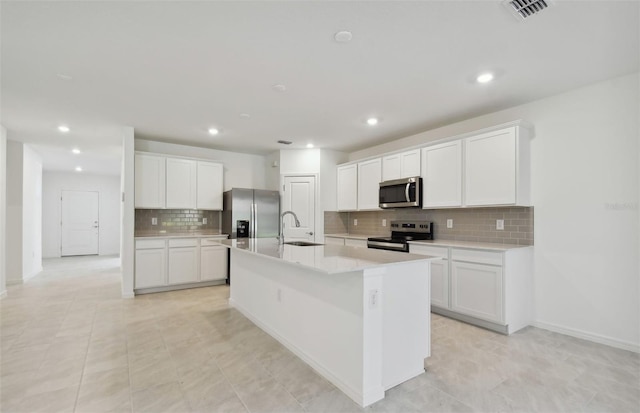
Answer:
(261, 208)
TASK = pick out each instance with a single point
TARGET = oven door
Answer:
(401, 193)
(388, 245)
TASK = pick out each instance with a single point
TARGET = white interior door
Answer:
(300, 197)
(80, 225)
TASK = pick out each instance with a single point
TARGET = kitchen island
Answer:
(359, 317)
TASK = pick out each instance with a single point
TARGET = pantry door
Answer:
(299, 196)
(79, 223)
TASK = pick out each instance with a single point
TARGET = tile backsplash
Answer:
(469, 224)
(177, 220)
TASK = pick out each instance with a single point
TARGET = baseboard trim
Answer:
(596, 338)
(15, 282)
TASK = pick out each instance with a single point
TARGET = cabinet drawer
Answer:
(183, 242)
(147, 244)
(442, 252)
(479, 256)
(211, 241)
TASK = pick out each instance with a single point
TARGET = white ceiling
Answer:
(172, 69)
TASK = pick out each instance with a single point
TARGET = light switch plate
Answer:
(204, 221)
(449, 223)
(154, 221)
(355, 222)
(500, 224)
(384, 222)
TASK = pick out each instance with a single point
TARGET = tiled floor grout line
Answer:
(84, 365)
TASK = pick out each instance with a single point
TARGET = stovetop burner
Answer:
(402, 232)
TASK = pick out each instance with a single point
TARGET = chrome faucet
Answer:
(281, 237)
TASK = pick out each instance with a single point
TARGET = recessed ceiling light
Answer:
(309, 145)
(75, 151)
(484, 77)
(372, 121)
(244, 116)
(279, 87)
(64, 77)
(63, 128)
(78, 169)
(213, 131)
(343, 36)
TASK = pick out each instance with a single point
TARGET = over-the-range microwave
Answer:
(401, 193)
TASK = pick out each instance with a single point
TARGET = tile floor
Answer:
(70, 343)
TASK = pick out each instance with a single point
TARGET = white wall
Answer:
(585, 185)
(273, 171)
(108, 188)
(3, 208)
(240, 170)
(14, 212)
(299, 161)
(31, 213)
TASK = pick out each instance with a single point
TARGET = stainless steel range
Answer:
(401, 233)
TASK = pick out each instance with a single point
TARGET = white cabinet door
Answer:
(347, 187)
(440, 283)
(369, 177)
(151, 268)
(476, 290)
(442, 175)
(183, 265)
(209, 187)
(149, 181)
(391, 168)
(213, 262)
(410, 163)
(181, 183)
(490, 168)
(350, 242)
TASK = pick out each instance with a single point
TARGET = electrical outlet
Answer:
(355, 222)
(154, 221)
(449, 223)
(384, 222)
(373, 299)
(204, 221)
(500, 224)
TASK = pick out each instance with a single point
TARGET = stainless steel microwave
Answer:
(401, 193)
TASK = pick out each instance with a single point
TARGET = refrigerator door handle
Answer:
(251, 222)
(255, 220)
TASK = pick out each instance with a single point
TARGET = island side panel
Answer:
(406, 300)
(317, 316)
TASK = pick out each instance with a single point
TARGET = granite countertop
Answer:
(179, 234)
(329, 259)
(353, 236)
(470, 244)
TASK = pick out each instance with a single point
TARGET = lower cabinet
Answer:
(171, 262)
(488, 288)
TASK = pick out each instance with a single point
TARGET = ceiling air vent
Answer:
(526, 8)
(285, 142)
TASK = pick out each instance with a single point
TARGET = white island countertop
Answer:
(329, 259)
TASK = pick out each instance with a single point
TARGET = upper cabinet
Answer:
(149, 181)
(369, 178)
(496, 166)
(177, 183)
(401, 165)
(347, 187)
(209, 186)
(442, 175)
(181, 183)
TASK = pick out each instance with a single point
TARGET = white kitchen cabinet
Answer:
(497, 168)
(151, 263)
(181, 183)
(334, 241)
(369, 177)
(209, 187)
(213, 261)
(347, 187)
(439, 272)
(476, 290)
(183, 261)
(401, 165)
(442, 175)
(352, 242)
(149, 181)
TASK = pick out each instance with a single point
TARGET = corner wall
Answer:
(3, 210)
(585, 191)
(14, 212)
(31, 214)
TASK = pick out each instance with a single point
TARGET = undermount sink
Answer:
(302, 243)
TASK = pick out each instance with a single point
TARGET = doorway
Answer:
(79, 223)
(299, 196)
